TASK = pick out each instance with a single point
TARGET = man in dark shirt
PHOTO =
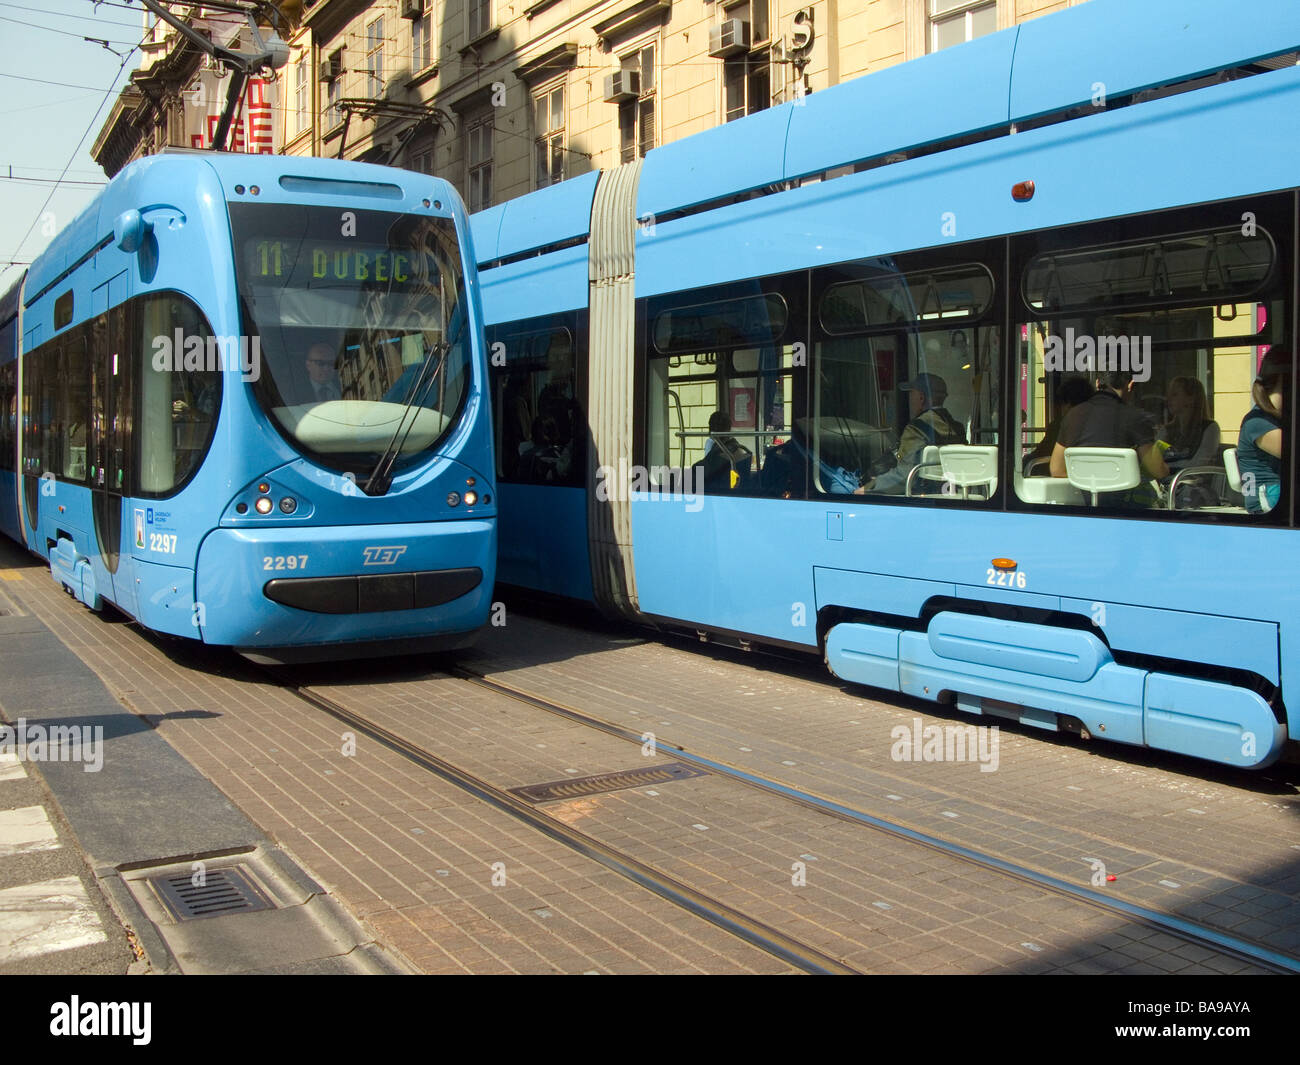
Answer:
(1106, 420)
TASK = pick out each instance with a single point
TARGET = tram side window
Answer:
(179, 392)
(74, 407)
(541, 430)
(1137, 359)
(43, 451)
(8, 414)
(725, 378)
(907, 358)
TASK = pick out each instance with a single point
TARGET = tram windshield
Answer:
(360, 320)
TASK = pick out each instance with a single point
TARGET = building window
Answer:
(479, 17)
(549, 112)
(752, 12)
(301, 96)
(422, 37)
(422, 160)
(334, 112)
(636, 118)
(478, 163)
(747, 85)
(957, 21)
(375, 58)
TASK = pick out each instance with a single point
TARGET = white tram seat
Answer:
(1094, 470)
(930, 468)
(1232, 469)
(1229, 471)
(968, 466)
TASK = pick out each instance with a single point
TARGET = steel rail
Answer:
(758, 934)
(1202, 935)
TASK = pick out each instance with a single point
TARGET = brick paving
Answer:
(879, 903)
(408, 854)
(1213, 845)
(415, 858)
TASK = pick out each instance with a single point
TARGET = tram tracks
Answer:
(803, 955)
(757, 933)
(1190, 931)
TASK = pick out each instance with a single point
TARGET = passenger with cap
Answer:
(930, 424)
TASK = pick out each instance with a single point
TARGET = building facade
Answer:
(505, 96)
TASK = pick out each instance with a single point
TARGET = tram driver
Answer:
(322, 373)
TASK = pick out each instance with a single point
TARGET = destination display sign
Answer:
(303, 264)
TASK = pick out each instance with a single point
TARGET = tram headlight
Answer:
(288, 505)
(471, 498)
(453, 499)
(263, 505)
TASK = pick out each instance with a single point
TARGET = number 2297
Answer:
(284, 562)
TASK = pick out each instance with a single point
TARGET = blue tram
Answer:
(245, 401)
(806, 379)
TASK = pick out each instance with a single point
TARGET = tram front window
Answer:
(361, 327)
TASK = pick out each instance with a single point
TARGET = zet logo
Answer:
(382, 556)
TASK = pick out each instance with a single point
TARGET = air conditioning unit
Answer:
(330, 69)
(730, 38)
(622, 85)
(412, 9)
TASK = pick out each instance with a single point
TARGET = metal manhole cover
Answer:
(217, 893)
(578, 787)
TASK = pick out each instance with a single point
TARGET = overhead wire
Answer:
(108, 93)
(65, 33)
(69, 14)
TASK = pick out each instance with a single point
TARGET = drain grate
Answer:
(578, 787)
(220, 892)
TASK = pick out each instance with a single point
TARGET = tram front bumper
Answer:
(306, 586)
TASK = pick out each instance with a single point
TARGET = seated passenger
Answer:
(1259, 444)
(726, 461)
(1106, 420)
(541, 464)
(1193, 438)
(1069, 395)
(931, 424)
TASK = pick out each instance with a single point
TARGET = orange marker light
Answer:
(1022, 191)
(1004, 563)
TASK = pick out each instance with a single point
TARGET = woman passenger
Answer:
(1192, 436)
(1259, 445)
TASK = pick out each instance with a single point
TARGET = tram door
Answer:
(112, 478)
(31, 415)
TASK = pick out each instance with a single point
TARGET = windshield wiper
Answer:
(381, 476)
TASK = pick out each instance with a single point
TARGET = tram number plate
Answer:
(1007, 578)
(284, 562)
(162, 542)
